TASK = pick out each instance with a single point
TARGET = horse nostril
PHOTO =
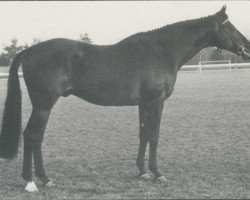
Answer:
(241, 48)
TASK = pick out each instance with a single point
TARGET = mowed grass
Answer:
(90, 151)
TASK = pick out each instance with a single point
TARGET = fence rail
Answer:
(234, 66)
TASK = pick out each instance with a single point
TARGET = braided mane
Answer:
(169, 28)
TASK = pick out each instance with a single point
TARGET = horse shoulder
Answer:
(159, 82)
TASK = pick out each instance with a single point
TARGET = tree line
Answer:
(208, 54)
(215, 54)
(11, 50)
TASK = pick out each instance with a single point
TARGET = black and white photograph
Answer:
(124, 100)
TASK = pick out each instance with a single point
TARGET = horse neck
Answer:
(183, 42)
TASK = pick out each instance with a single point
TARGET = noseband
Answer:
(240, 49)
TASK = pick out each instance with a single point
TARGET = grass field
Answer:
(90, 151)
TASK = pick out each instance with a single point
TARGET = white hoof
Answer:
(50, 184)
(145, 176)
(161, 179)
(31, 187)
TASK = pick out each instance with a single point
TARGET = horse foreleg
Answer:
(143, 136)
(154, 118)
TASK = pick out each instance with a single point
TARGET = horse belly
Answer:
(109, 94)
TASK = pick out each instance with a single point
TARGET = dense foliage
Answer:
(212, 54)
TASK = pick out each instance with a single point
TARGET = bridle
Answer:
(240, 49)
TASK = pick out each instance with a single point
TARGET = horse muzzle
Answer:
(243, 52)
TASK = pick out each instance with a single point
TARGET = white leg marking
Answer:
(31, 187)
(50, 184)
(162, 179)
(145, 176)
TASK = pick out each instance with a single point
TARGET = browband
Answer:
(225, 21)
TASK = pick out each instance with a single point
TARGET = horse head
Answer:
(228, 37)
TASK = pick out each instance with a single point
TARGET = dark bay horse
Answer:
(139, 70)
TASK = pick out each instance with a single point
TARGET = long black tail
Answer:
(12, 116)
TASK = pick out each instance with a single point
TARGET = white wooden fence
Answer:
(192, 68)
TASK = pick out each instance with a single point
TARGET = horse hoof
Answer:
(145, 176)
(49, 184)
(31, 187)
(161, 179)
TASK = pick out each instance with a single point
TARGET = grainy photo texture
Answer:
(125, 100)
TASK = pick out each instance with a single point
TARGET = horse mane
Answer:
(168, 29)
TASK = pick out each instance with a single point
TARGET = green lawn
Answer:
(90, 151)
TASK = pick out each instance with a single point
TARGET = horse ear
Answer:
(222, 13)
(223, 10)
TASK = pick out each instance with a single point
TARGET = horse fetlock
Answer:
(43, 178)
(154, 170)
(27, 177)
(140, 165)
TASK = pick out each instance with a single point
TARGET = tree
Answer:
(217, 55)
(220, 54)
(203, 55)
(35, 41)
(10, 51)
(85, 38)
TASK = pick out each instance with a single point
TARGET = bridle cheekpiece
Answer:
(240, 49)
(227, 20)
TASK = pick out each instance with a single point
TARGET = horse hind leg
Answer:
(33, 138)
(42, 116)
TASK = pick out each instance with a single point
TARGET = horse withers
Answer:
(138, 71)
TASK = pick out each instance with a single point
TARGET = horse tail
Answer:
(12, 115)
